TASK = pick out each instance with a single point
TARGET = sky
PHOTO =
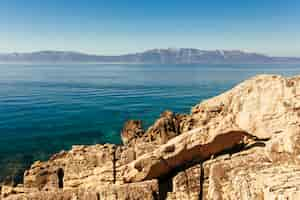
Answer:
(112, 27)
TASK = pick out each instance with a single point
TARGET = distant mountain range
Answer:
(159, 56)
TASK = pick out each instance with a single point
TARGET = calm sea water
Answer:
(47, 108)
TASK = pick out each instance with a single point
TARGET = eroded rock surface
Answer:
(243, 144)
(132, 130)
(165, 128)
(186, 184)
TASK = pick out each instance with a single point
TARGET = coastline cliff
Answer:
(242, 144)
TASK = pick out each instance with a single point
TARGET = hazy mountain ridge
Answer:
(160, 56)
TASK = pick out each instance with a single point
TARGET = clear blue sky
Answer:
(121, 26)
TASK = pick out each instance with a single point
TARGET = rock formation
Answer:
(243, 144)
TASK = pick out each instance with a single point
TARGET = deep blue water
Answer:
(47, 108)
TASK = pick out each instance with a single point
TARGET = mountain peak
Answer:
(160, 56)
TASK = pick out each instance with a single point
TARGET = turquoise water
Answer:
(47, 108)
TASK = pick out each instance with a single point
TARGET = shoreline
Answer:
(229, 133)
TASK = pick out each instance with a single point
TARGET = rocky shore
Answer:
(242, 144)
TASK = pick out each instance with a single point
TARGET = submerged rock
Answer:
(242, 144)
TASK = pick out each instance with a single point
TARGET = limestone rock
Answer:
(132, 129)
(198, 144)
(135, 191)
(250, 175)
(187, 184)
(264, 105)
(70, 167)
(165, 128)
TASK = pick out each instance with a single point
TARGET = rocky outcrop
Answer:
(196, 145)
(242, 144)
(147, 190)
(187, 184)
(165, 128)
(132, 130)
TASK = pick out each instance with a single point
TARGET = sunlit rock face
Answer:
(243, 144)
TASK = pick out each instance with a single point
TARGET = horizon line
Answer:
(141, 51)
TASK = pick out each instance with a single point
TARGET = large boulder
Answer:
(195, 145)
(263, 105)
